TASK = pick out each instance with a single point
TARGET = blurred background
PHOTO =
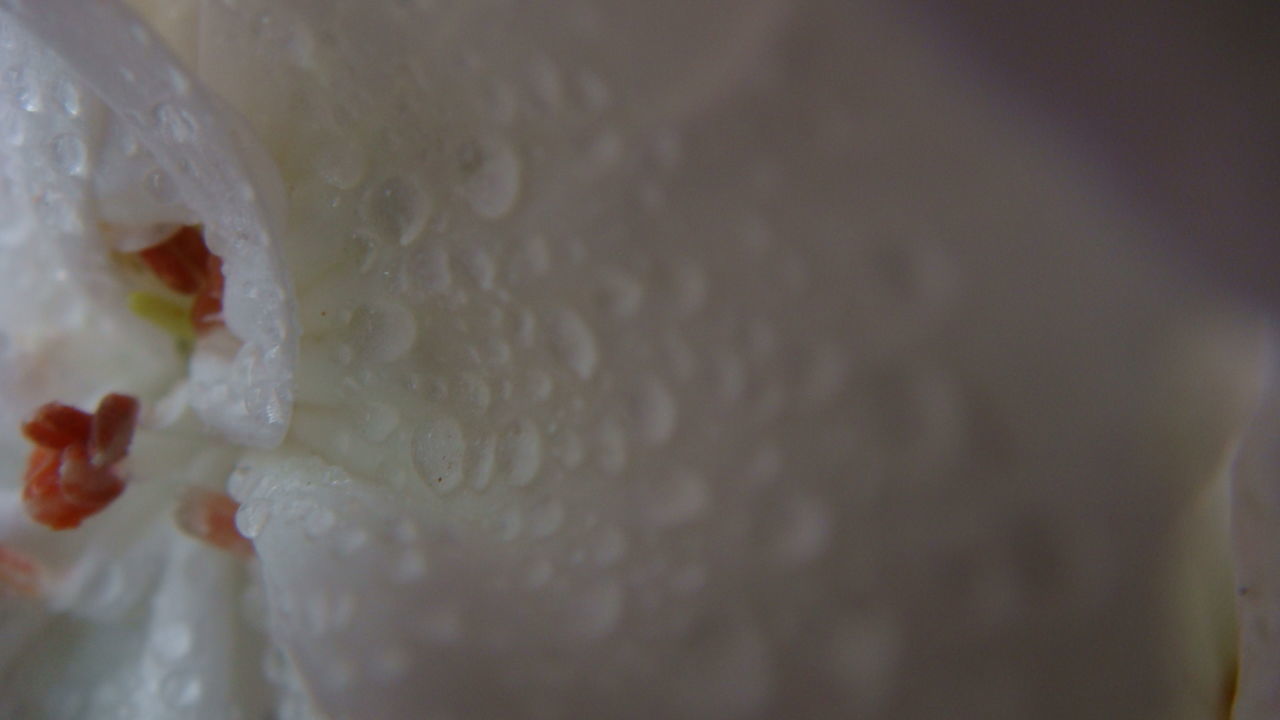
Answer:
(1178, 101)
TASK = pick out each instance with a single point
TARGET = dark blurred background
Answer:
(1178, 102)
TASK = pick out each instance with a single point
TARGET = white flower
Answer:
(598, 360)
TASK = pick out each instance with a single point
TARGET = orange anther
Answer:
(112, 430)
(179, 262)
(185, 265)
(211, 517)
(19, 572)
(206, 311)
(69, 474)
(56, 426)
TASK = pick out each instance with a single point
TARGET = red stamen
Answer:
(56, 426)
(69, 475)
(112, 430)
(206, 311)
(185, 265)
(42, 493)
(211, 517)
(19, 572)
(179, 262)
(83, 484)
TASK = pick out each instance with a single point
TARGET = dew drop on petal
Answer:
(396, 210)
(522, 453)
(68, 97)
(679, 497)
(655, 412)
(175, 123)
(319, 521)
(378, 420)
(539, 573)
(546, 518)
(611, 447)
(180, 689)
(384, 331)
(610, 547)
(161, 187)
(490, 172)
(252, 517)
(864, 656)
(596, 610)
(438, 449)
(482, 467)
(410, 567)
(68, 154)
(341, 164)
(575, 343)
(173, 641)
(797, 530)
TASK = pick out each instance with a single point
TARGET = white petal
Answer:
(220, 173)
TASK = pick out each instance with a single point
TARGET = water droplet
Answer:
(396, 209)
(593, 90)
(546, 518)
(826, 376)
(67, 96)
(916, 415)
(318, 613)
(495, 351)
(160, 186)
(610, 547)
(24, 92)
(179, 81)
(175, 123)
(731, 377)
(654, 411)
(668, 149)
(410, 567)
(384, 331)
(728, 672)
(378, 421)
(441, 625)
(796, 530)
(391, 663)
(252, 517)
(510, 524)
(181, 689)
(341, 164)
(594, 612)
(319, 522)
(490, 173)
(540, 386)
(482, 472)
(572, 450)
(864, 657)
(622, 294)
(575, 343)
(352, 541)
(688, 579)
(173, 641)
(536, 255)
(548, 86)
(522, 453)
(140, 34)
(68, 154)
(427, 272)
(480, 267)
(438, 451)
(611, 447)
(539, 573)
(690, 287)
(677, 498)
